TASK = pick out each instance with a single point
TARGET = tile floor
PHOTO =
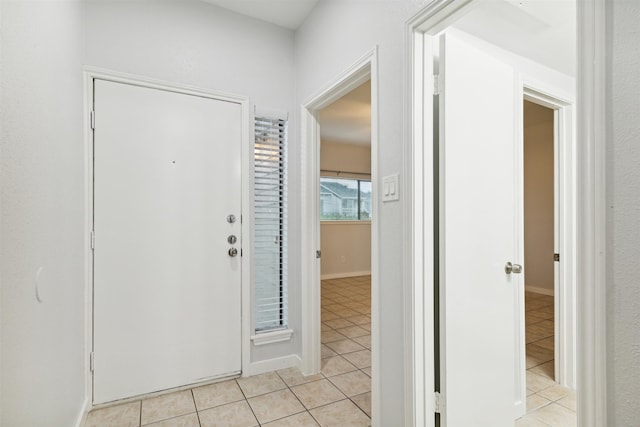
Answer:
(548, 404)
(340, 396)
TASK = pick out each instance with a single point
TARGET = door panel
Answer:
(478, 188)
(167, 172)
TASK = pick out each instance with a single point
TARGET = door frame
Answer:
(89, 75)
(564, 230)
(590, 226)
(362, 70)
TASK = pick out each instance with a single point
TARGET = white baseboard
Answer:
(265, 366)
(538, 290)
(345, 275)
(82, 416)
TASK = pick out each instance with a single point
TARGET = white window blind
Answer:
(270, 223)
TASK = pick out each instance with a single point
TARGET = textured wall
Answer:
(623, 139)
(42, 218)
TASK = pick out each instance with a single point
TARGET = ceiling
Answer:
(284, 13)
(541, 30)
(348, 120)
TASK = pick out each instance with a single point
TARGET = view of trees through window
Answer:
(345, 199)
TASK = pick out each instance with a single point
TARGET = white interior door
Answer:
(478, 235)
(167, 173)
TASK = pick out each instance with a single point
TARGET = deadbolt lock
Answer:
(232, 239)
(231, 218)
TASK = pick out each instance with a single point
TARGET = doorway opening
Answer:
(345, 214)
(444, 95)
(539, 238)
(334, 198)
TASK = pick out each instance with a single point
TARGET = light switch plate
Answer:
(390, 188)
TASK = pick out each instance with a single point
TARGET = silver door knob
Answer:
(233, 252)
(512, 268)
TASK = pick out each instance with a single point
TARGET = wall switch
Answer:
(390, 188)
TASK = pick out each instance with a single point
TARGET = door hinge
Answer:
(436, 84)
(93, 239)
(318, 254)
(93, 120)
(556, 257)
(438, 403)
(91, 361)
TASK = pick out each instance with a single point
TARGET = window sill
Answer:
(272, 337)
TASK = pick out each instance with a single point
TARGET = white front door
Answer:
(478, 236)
(167, 174)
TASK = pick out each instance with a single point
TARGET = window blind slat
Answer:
(270, 223)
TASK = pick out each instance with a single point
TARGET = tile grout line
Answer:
(193, 396)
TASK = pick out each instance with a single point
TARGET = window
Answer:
(344, 199)
(270, 224)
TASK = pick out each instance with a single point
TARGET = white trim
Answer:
(364, 69)
(345, 275)
(88, 224)
(538, 290)
(269, 113)
(92, 73)
(84, 411)
(418, 236)
(272, 337)
(271, 365)
(564, 220)
(591, 213)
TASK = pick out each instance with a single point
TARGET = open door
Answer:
(479, 227)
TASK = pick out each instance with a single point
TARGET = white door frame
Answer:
(364, 69)
(590, 213)
(564, 187)
(91, 73)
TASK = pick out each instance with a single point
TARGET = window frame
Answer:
(358, 200)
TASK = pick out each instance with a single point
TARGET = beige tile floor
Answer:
(548, 404)
(340, 396)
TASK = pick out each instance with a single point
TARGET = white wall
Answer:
(44, 46)
(195, 43)
(538, 198)
(623, 235)
(42, 378)
(345, 245)
(335, 36)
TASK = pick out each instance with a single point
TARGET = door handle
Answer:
(512, 268)
(233, 252)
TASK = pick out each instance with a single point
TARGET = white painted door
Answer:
(167, 173)
(479, 226)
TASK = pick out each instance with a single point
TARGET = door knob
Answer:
(512, 268)
(233, 252)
